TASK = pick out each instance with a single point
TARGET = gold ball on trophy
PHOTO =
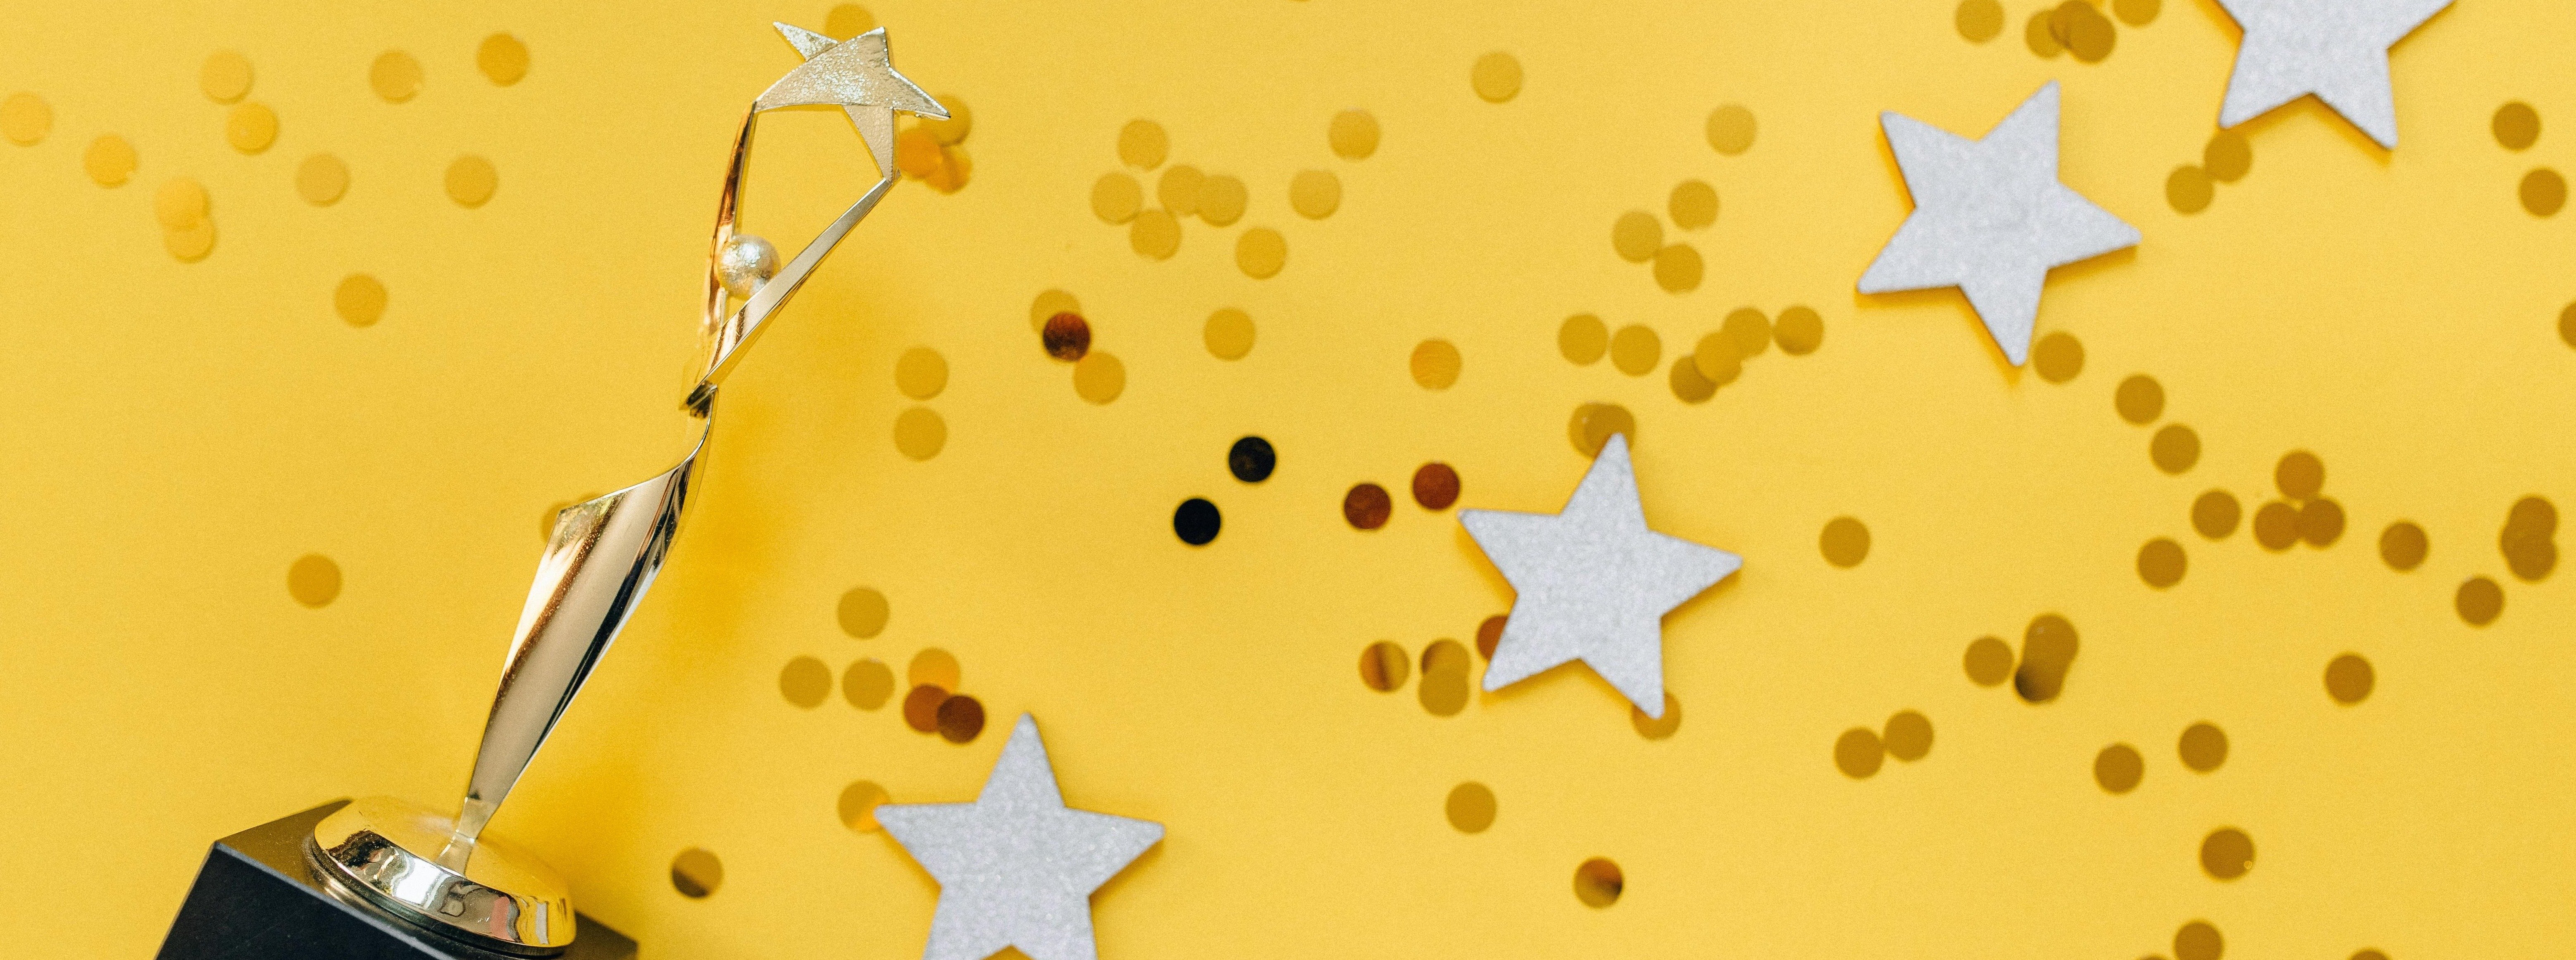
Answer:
(745, 263)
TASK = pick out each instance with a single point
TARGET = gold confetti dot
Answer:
(919, 433)
(2228, 156)
(1583, 338)
(1988, 662)
(2369, 955)
(1444, 688)
(1656, 728)
(1049, 303)
(696, 873)
(502, 58)
(1315, 194)
(917, 154)
(191, 243)
(1635, 350)
(251, 127)
(1353, 134)
(1844, 542)
(313, 580)
(1908, 736)
(1730, 129)
(952, 131)
(1496, 77)
(1858, 753)
(2058, 356)
(180, 204)
(1384, 667)
(1978, 20)
(1179, 189)
(1116, 197)
(2276, 526)
(862, 612)
(322, 179)
(2479, 601)
(805, 682)
(2140, 399)
(867, 684)
(2137, 13)
(1435, 364)
(25, 118)
(1228, 334)
(921, 373)
(2048, 649)
(2227, 853)
(2188, 189)
(2543, 192)
(2197, 940)
(1154, 234)
(2203, 747)
(1689, 385)
(1717, 358)
(2403, 546)
(2215, 514)
(1471, 807)
(2517, 126)
(2299, 475)
(1800, 331)
(1749, 330)
(934, 667)
(359, 299)
(1693, 205)
(2349, 679)
(1677, 268)
(1142, 144)
(1598, 883)
(2321, 522)
(2036, 33)
(2528, 540)
(1260, 253)
(1221, 200)
(2118, 768)
(225, 77)
(858, 806)
(1594, 423)
(109, 160)
(848, 20)
(471, 180)
(395, 75)
(1099, 378)
(2174, 449)
(2161, 563)
(2089, 34)
(1636, 236)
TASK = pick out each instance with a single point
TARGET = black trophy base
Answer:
(258, 898)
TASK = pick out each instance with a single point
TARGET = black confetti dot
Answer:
(1252, 460)
(1196, 521)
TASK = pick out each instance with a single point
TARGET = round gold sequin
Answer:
(25, 118)
(1716, 358)
(1730, 129)
(2479, 601)
(805, 682)
(395, 76)
(2197, 940)
(848, 20)
(2529, 539)
(960, 122)
(862, 612)
(251, 127)
(1353, 134)
(867, 684)
(2088, 34)
(2227, 853)
(502, 58)
(1116, 197)
(2035, 32)
(2517, 126)
(2058, 357)
(1496, 77)
(2321, 522)
(1749, 330)
(1384, 667)
(1260, 252)
(179, 204)
(1799, 331)
(2048, 649)
(1677, 268)
(1598, 882)
(2202, 747)
(2567, 325)
(1594, 423)
(2118, 768)
(2228, 156)
(1978, 20)
(2403, 546)
(2543, 192)
(696, 873)
(1988, 662)
(858, 806)
(2136, 13)
(2349, 679)
(1142, 144)
(921, 373)
(359, 300)
(1444, 688)
(225, 77)
(191, 243)
(2174, 449)
(1582, 338)
(1635, 350)
(1688, 384)
(1099, 378)
(1315, 194)
(1907, 736)
(109, 160)
(1844, 542)
(2161, 563)
(1047, 304)
(1178, 190)
(1471, 807)
(934, 667)
(920, 433)
(1693, 205)
(1858, 753)
(2188, 189)
(1636, 236)
(1221, 200)
(1656, 728)
(471, 180)
(1367, 507)
(1435, 364)
(960, 718)
(2299, 475)
(921, 707)
(2140, 399)
(2276, 526)
(1154, 234)
(917, 153)
(2215, 514)
(1228, 334)
(322, 179)
(313, 580)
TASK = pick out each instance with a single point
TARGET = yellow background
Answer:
(182, 432)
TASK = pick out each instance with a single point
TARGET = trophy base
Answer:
(261, 895)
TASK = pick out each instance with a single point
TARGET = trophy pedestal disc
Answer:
(260, 895)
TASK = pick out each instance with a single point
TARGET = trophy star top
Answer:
(857, 72)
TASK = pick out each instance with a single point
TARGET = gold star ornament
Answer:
(856, 75)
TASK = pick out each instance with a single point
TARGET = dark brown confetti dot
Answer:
(1489, 634)
(2140, 399)
(2215, 514)
(2161, 563)
(2175, 448)
(2349, 679)
(2047, 652)
(1384, 667)
(1196, 522)
(1435, 486)
(2198, 940)
(1858, 753)
(2227, 853)
(2276, 526)
(1367, 506)
(1657, 728)
(2479, 601)
(1067, 336)
(921, 708)
(696, 873)
(2403, 546)
(2321, 522)
(2118, 768)
(1598, 883)
(1989, 661)
(2203, 747)
(960, 718)
(2300, 475)
(1251, 460)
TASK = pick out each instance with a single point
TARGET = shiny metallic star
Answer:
(1016, 868)
(2336, 49)
(856, 75)
(1593, 583)
(1990, 218)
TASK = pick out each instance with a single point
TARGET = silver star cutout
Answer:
(2336, 49)
(856, 75)
(1016, 868)
(1592, 583)
(1990, 218)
